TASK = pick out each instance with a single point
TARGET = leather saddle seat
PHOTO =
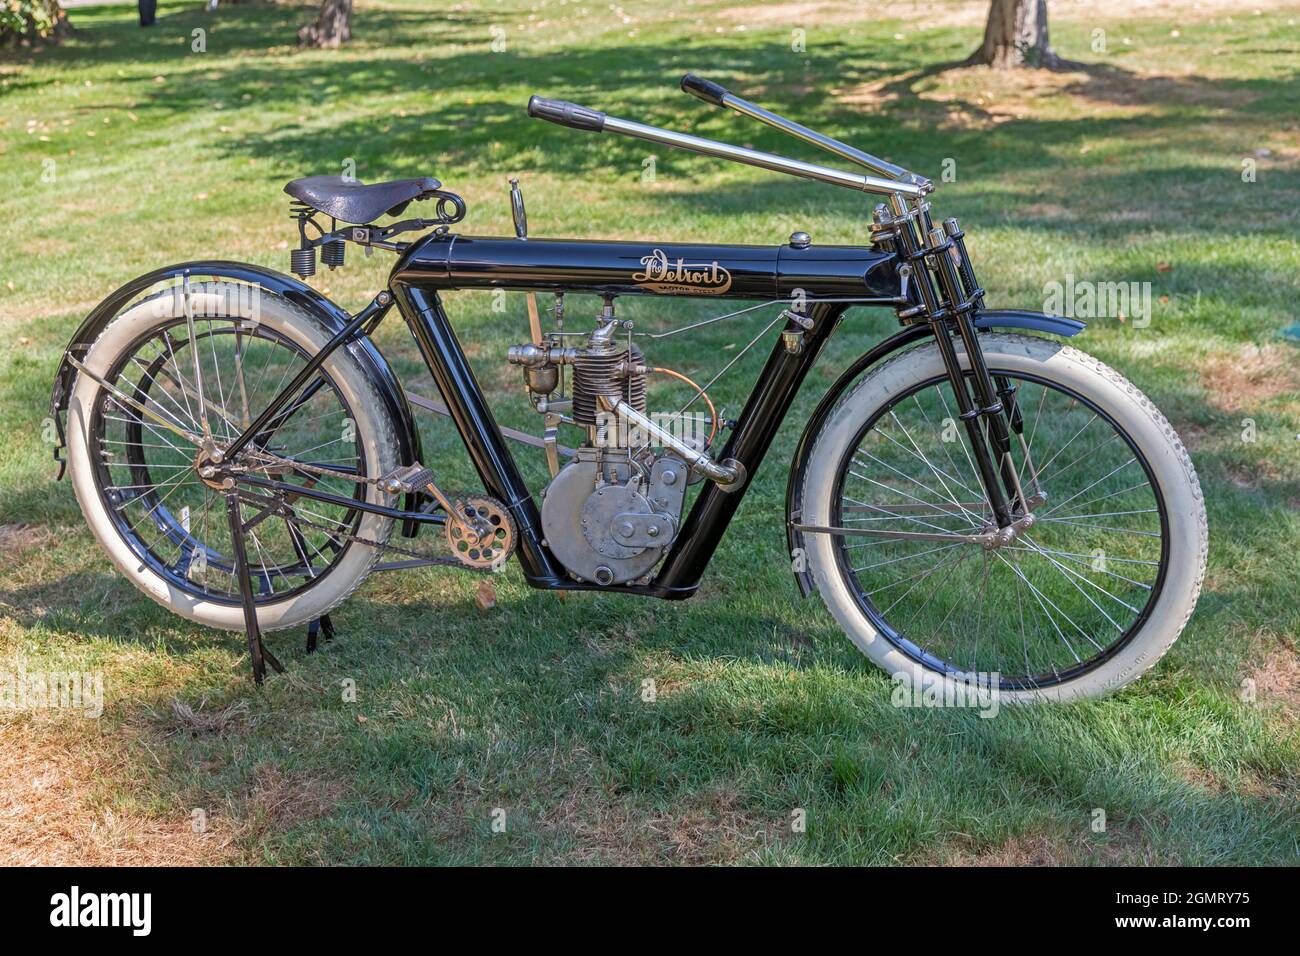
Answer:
(353, 202)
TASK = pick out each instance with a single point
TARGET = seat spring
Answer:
(331, 253)
(302, 262)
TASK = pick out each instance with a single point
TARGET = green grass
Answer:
(1127, 170)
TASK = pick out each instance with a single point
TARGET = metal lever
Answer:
(521, 232)
(517, 209)
(717, 95)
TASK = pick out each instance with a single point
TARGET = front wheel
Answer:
(1087, 594)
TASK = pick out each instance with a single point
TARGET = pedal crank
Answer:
(479, 529)
(416, 477)
(486, 539)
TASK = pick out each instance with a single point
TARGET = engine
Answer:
(611, 512)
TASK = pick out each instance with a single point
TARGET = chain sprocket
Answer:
(486, 539)
(479, 528)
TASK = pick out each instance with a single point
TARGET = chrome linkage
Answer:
(990, 539)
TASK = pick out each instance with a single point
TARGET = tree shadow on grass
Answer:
(449, 726)
(481, 132)
(1100, 83)
(101, 605)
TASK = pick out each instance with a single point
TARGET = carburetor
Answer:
(600, 368)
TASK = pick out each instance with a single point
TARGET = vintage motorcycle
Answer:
(975, 505)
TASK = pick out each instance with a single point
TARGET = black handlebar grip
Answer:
(566, 114)
(706, 90)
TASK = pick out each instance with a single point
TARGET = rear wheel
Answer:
(134, 456)
(1090, 592)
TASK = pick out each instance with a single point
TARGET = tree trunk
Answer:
(332, 28)
(1016, 35)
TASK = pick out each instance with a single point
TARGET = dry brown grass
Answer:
(926, 14)
(69, 797)
(602, 828)
(1250, 376)
(280, 800)
(1036, 849)
(714, 828)
(1119, 845)
(1277, 681)
(200, 721)
(711, 827)
(1243, 784)
(52, 812)
(17, 538)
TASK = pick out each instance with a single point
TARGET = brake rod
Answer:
(439, 408)
(878, 533)
(123, 397)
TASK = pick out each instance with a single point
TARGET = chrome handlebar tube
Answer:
(711, 92)
(580, 117)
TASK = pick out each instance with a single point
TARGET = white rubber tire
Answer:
(374, 428)
(1133, 411)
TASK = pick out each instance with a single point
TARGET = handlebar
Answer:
(704, 89)
(564, 113)
(896, 181)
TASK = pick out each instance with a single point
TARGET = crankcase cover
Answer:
(572, 498)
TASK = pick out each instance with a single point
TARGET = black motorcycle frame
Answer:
(919, 269)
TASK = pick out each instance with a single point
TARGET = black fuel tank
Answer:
(647, 268)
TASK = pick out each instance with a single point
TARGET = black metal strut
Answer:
(942, 315)
(989, 407)
(258, 655)
(270, 418)
(964, 283)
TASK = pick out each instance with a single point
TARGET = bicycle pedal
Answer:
(413, 477)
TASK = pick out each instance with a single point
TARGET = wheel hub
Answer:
(209, 462)
(995, 538)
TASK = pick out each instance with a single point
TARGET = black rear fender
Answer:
(332, 316)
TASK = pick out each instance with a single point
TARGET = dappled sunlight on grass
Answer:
(125, 151)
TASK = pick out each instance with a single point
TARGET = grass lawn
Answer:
(124, 149)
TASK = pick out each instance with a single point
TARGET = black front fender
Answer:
(997, 319)
(331, 315)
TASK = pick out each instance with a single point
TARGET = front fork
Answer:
(936, 259)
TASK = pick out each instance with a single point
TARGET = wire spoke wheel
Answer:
(1099, 503)
(1052, 602)
(166, 396)
(148, 473)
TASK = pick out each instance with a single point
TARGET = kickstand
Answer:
(321, 625)
(258, 655)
